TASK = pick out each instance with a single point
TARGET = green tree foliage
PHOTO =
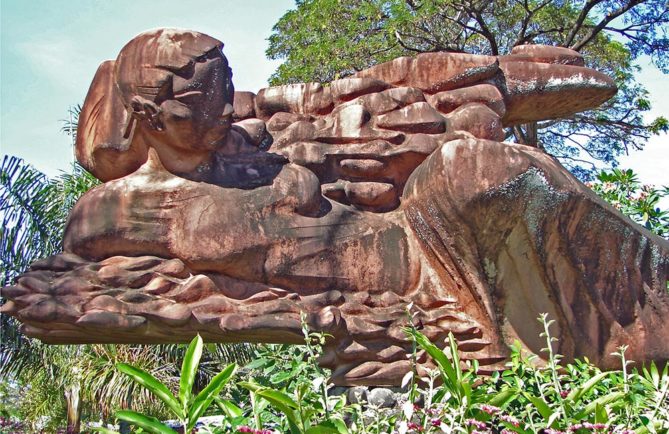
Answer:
(322, 40)
(33, 211)
(640, 202)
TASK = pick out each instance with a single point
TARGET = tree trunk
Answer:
(73, 409)
(531, 135)
(527, 134)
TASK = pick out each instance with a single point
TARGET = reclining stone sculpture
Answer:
(229, 214)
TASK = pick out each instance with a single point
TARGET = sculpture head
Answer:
(170, 90)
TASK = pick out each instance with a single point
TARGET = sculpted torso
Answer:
(229, 214)
(277, 234)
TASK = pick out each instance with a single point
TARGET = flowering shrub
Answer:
(641, 203)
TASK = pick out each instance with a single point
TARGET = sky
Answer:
(49, 51)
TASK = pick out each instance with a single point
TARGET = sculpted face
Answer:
(198, 114)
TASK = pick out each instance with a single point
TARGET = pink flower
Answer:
(435, 422)
(564, 394)
(477, 424)
(510, 419)
(245, 428)
(490, 409)
(414, 426)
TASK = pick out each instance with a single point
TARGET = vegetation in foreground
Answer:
(284, 391)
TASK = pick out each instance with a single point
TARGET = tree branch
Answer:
(603, 23)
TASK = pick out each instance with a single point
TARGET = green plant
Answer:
(282, 393)
(188, 408)
(641, 203)
(298, 391)
(532, 397)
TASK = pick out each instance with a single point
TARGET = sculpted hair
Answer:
(145, 68)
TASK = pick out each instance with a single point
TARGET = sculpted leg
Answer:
(530, 238)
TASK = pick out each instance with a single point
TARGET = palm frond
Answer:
(30, 218)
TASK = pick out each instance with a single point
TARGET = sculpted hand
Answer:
(365, 135)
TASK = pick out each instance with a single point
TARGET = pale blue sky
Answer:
(50, 50)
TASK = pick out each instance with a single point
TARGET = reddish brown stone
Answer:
(244, 105)
(361, 168)
(305, 99)
(370, 194)
(478, 120)
(348, 88)
(254, 132)
(544, 54)
(434, 72)
(282, 120)
(538, 91)
(486, 94)
(419, 117)
(200, 229)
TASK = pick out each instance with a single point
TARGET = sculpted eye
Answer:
(189, 98)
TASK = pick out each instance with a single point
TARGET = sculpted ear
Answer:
(144, 109)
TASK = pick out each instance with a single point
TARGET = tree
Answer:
(33, 212)
(322, 40)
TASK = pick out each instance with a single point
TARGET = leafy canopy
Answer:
(322, 40)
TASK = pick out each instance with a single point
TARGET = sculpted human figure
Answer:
(349, 202)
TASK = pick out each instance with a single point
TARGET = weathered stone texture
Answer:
(229, 214)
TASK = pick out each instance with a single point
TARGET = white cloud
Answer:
(59, 61)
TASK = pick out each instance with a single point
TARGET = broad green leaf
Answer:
(601, 401)
(103, 430)
(229, 408)
(445, 365)
(503, 397)
(542, 407)
(280, 377)
(189, 370)
(156, 387)
(284, 398)
(323, 428)
(203, 399)
(281, 402)
(577, 393)
(339, 424)
(257, 363)
(649, 427)
(454, 356)
(147, 423)
(253, 387)
(655, 375)
(551, 420)
(600, 414)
